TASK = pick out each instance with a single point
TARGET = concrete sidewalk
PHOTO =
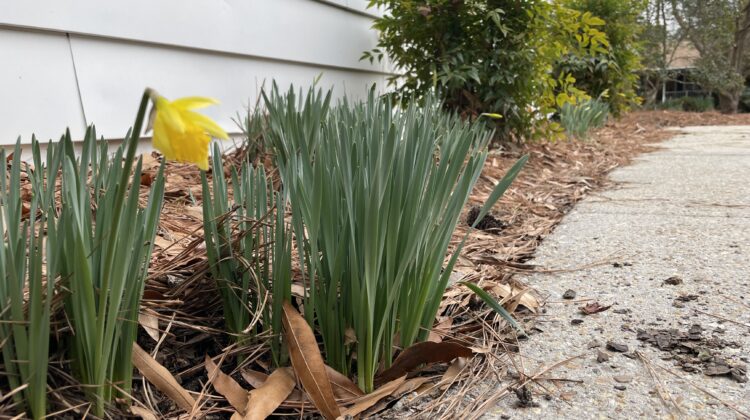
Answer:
(682, 212)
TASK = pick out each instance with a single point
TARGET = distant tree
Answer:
(718, 29)
(659, 41)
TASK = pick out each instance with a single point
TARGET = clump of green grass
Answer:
(375, 195)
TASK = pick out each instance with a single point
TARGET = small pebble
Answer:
(623, 379)
(618, 347)
(673, 281)
(576, 321)
(621, 387)
(569, 294)
(602, 356)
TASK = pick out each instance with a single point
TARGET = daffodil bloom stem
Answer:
(131, 142)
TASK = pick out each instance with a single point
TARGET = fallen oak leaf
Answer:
(263, 401)
(407, 387)
(363, 403)
(440, 330)
(253, 377)
(226, 386)
(452, 372)
(421, 353)
(308, 363)
(150, 324)
(143, 413)
(593, 308)
(160, 377)
(343, 387)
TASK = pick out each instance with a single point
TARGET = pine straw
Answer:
(180, 293)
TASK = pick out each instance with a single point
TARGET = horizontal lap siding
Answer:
(82, 62)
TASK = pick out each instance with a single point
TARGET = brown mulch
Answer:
(184, 300)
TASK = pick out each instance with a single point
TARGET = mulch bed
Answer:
(181, 299)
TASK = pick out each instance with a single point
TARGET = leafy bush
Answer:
(578, 119)
(494, 56)
(688, 104)
(612, 74)
(248, 252)
(697, 103)
(375, 196)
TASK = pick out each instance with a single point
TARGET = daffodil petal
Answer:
(193, 147)
(169, 114)
(207, 124)
(161, 139)
(194, 102)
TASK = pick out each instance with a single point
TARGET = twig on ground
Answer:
(665, 396)
(705, 391)
(724, 318)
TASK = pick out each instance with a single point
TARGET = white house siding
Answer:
(69, 63)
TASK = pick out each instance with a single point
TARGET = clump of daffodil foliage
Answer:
(375, 195)
(93, 250)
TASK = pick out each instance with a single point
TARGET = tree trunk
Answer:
(729, 102)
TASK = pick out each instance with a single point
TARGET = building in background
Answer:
(675, 81)
(70, 63)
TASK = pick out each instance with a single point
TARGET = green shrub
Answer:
(611, 75)
(697, 103)
(688, 104)
(248, 250)
(375, 196)
(486, 56)
(580, 118)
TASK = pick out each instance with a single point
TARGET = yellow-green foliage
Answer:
(488, 56)
(611, 74)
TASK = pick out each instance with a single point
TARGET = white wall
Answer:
(68, 63)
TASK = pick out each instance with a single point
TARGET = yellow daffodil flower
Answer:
(181, 134)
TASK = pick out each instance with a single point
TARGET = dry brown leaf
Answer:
(253, 377)
(409, 386)
(440, 330)
(343, 387)
(350, 337)
(263, 401)
(150, 324)
(196, 212)
(593, 308)
(226, 386)
(143, 413)
(162, 242)
(298, 290)
(308, 363)
(452, 372)
(363, 403)
(160, 377)
(420, 353)
(505, 291)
